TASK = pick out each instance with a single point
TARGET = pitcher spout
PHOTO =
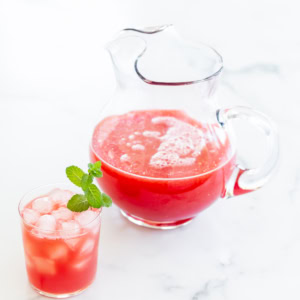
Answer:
(159, 56)
(150, 29)
(124, 52)
(129, 45)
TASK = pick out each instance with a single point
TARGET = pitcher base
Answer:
(155, 225)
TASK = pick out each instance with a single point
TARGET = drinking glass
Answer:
(60, 262)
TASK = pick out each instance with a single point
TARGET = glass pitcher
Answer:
(167, 149)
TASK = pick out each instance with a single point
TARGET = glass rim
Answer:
(54, 185)
(180, 83)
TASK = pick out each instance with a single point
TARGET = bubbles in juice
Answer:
(162, 165)
(161, 144)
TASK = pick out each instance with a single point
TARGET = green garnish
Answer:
(92, 195)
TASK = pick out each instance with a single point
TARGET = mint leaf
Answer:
(74, 174)
(94, 196)
(86, 180)
(95, 169)
(78, 203)
(106, 200)
(96, 165)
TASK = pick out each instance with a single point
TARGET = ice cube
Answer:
(37, 233)
(30, 216)
(86, 220)
(42, 205)
(31, 248)
(81, 263)
(46, 223)
(95, 228)
(70, 231)
(70, 228)
(62, 213)
(44, 265)
(72, 243)
(57, 252)
(28, 261)
(86, 217)
(87, 247)
(60, 196)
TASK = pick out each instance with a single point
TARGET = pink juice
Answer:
(162, 165)
(61, 246)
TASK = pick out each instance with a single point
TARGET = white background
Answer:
(54, 78)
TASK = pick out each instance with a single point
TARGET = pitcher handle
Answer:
(247, 180)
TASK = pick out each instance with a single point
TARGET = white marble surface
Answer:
(54, 78)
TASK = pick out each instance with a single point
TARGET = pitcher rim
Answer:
(158, 29)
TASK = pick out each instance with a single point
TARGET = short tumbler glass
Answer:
(62, 262)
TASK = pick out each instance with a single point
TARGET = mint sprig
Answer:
(91, 196)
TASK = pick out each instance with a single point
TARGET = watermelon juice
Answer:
(162, 166)
(61, 246)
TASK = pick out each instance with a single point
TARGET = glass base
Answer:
(155, 225)
(58, 296)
